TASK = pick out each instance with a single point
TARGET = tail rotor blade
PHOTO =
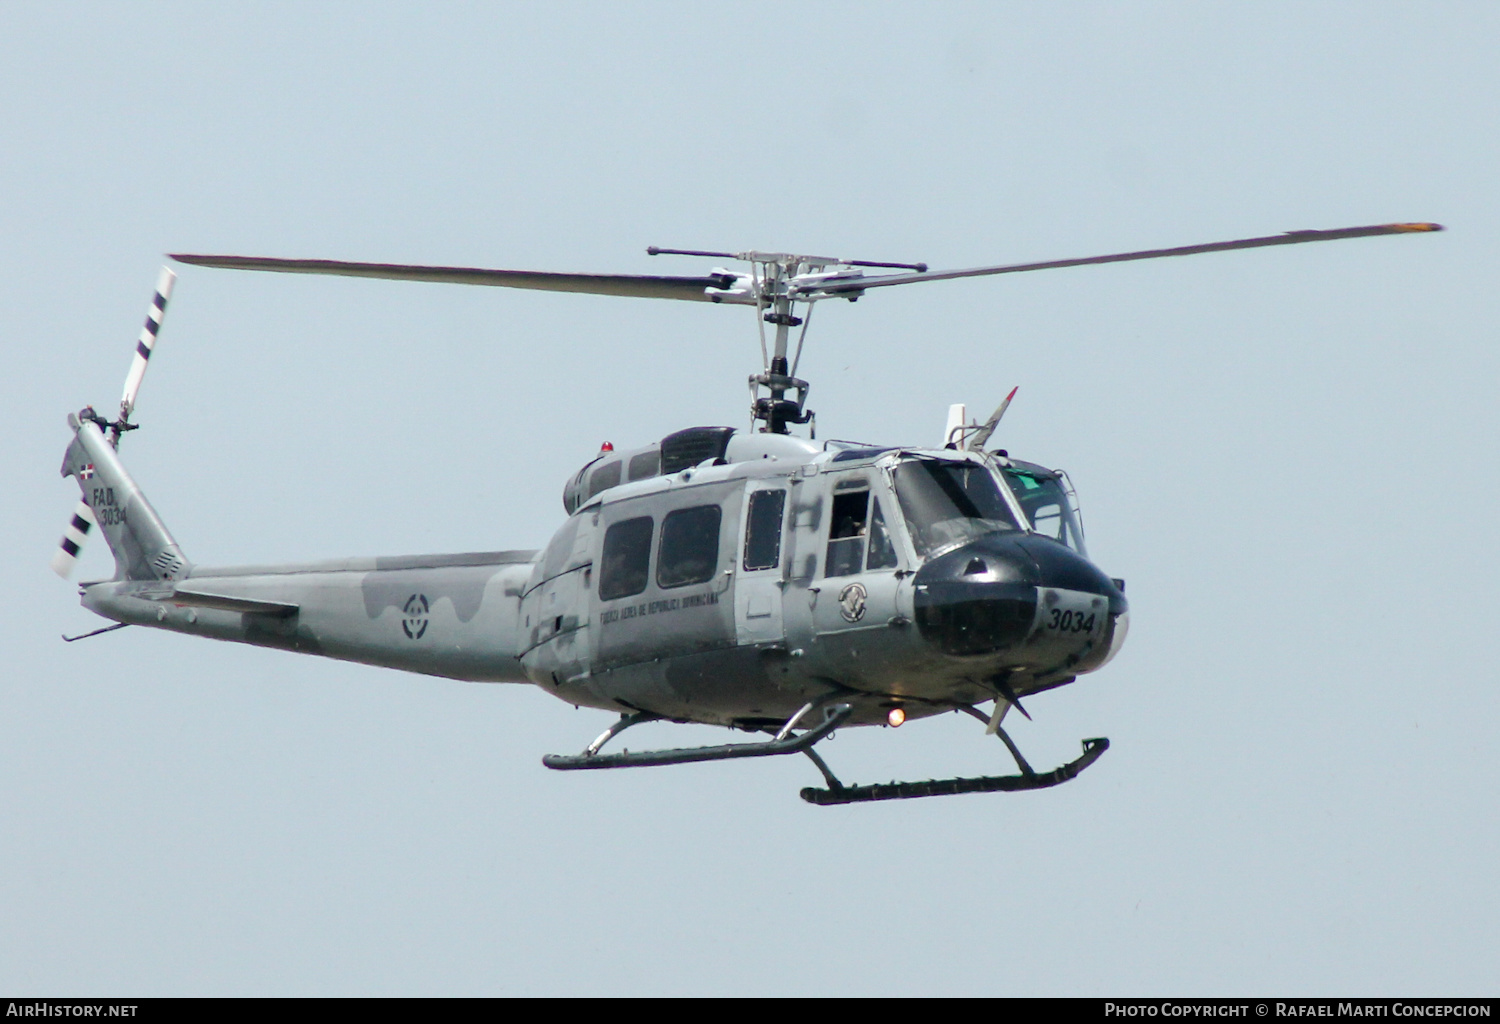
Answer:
(77, 532)
(147, 342)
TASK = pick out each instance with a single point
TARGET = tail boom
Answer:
(443, 615)
(416, 614)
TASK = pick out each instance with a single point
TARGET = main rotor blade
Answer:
(1289, 238)
(689, 288)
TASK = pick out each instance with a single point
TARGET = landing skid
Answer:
(784, 743)
(834, 715)
(841, 794)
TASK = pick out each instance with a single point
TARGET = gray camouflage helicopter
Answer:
(757, 580)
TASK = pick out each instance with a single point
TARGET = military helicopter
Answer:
(758, 580)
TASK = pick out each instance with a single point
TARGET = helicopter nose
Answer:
(996, 593)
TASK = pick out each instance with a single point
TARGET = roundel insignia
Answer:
(852, 602)
(415, 620)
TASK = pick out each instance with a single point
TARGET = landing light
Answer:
(896, 717)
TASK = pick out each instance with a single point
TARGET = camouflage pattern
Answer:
(739, 644)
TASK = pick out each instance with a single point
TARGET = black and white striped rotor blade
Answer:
(147, 341)
(73, 537)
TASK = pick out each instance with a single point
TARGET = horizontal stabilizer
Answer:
(227, 603)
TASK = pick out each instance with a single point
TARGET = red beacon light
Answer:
(607, 447)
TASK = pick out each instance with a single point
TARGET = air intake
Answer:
(687, 448)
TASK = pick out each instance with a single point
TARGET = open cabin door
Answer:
(762, 555)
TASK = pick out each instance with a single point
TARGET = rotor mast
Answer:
(777, 282)
(777, 411)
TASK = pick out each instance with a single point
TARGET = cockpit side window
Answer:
(1048, 520)
(846, 533)
(882, 548)
(949, 503)
(1046, 504)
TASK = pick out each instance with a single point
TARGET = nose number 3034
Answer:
(1071, 621)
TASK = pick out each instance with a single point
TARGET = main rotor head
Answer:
(775, 284)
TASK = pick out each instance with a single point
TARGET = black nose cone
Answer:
(978, 599)
(1061, 567)
(981, 598)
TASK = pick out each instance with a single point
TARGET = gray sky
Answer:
(1289, 454)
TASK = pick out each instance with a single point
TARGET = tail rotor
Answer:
(83, 521)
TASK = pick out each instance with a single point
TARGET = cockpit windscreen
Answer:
(949, 503)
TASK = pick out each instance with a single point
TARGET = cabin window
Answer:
(627, 559)
(603, 478)
(644, 465)
(846, 533)
(763, 530)
(882, 548)
(689, 547)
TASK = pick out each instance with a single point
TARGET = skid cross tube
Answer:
(685, 755)
(1010, 744)
(625, 722)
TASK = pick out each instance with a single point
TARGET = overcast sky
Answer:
(1290, 454)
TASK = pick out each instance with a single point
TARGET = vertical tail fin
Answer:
(140, 542)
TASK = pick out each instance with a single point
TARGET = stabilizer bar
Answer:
(1092, 749)
(685, 755)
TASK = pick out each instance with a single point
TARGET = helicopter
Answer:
(759, 580)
